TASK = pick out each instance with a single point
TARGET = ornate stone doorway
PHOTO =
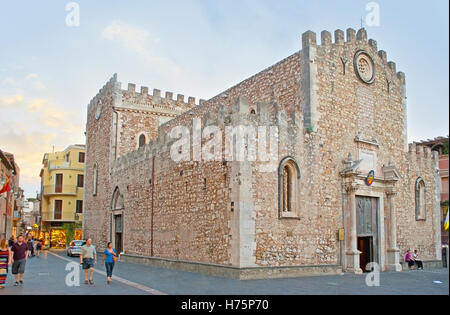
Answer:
(369, 218)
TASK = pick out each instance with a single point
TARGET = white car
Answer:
(75, 248)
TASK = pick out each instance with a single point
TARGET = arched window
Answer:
(141, 140)
(117, 200)
(421, 201)
(95, 176)
(288, 178)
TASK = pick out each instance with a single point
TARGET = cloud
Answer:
(38, 85)
(48, 115)
(31, 76)
(28, 142)
(28, 149)
(132, 36)
(39, 125)
(9, 81)
(36, 104)
(11, 101)
(53, 118)
(139, 41)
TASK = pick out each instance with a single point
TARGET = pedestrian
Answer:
(30, 246)
(417, 259)
(4, 262)
(11, 241)
(18, 257)
(38, 247)
(44, 248)
(409, 260)
(109, 259)
(88, 258)
(33, 246)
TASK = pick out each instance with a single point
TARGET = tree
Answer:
(70, 230)
(445, 149)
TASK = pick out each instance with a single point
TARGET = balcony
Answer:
(65, 190)
(64, 166)
(67, 216)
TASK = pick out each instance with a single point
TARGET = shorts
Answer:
(88, 263)
(18, 266)
(411, 263)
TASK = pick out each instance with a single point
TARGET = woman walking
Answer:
(38, 248)
(4, 262)
(109, 258)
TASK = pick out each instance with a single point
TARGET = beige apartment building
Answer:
(62, 186)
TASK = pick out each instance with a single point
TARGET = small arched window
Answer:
(142, 140)
(117, 200)
(95, 176)
(420, 191)
(288, 178)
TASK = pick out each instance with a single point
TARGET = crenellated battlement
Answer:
(351, 37)
(268, 114)
(108, 87)
(155, 97)
(142, 100)
(417, 151)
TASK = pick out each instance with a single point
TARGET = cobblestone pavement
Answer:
(47, 276)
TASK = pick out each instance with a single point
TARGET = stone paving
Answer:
(47, 276)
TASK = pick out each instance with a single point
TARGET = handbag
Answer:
(114, 258)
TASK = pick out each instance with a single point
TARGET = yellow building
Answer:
(62, 182)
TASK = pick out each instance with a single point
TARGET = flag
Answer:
(6, 186)
(446, 221)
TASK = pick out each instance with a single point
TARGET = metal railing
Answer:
(61, 190)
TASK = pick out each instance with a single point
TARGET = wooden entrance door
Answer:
(367, 220)
(118, 230)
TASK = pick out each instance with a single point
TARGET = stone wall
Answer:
(227, 212)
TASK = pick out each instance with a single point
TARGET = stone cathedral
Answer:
(347, 189)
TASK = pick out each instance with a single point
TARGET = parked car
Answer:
(75, 248)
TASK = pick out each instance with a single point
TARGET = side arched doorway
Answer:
(117, 229)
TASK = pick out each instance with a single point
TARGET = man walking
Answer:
(88, 258)
(30, 246)
(19, 256)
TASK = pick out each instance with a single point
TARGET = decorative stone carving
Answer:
(364, 67)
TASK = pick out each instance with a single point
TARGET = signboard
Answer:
(341, 234)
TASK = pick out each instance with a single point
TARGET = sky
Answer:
(50, 69)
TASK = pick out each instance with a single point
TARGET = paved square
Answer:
(47, 276)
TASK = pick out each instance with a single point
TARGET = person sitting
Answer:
(417, 260)
(409, 260)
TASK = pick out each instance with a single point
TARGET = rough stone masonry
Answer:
(347, 188)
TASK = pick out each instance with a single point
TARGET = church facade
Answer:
(324, 181)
